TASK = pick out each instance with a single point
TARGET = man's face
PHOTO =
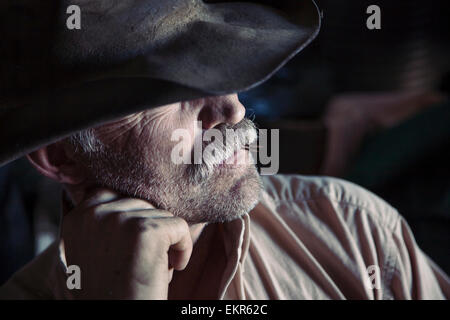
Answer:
(136, 158)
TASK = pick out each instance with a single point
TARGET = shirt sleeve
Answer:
(414, 274)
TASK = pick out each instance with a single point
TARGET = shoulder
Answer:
(314, 193)
(39, 279)
(343, 226)
(346, 229)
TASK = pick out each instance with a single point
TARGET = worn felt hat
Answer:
(132, 55)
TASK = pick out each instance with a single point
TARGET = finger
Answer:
(126, 205)
(98, 196)
(179, 240)
(94, 197)
(172, 234)
(149, 217)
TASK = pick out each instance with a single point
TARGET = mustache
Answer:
(233, 138)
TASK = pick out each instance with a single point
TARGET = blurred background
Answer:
(368, 106)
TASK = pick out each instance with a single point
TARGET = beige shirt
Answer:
(308, 238)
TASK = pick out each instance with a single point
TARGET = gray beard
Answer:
(195, 192)
(216, 198)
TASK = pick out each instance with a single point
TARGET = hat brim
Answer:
(233, 47)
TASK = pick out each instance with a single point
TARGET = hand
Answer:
(125, 248)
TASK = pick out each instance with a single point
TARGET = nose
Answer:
(221, 110)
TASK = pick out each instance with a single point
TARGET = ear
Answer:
(53, 162)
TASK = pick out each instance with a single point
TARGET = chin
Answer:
(228, 197)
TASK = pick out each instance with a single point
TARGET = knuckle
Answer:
(142, 203)
(142, 224)
(181, 223)
(164, 213)
(121, 216)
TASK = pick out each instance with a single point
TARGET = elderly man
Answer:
(226, 235)
(138, 225)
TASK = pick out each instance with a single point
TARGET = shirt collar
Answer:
(236, 238)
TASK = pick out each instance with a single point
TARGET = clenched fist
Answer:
(125, 248)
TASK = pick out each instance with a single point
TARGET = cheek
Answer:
(155, 147)
(174, 128)
(180, 134)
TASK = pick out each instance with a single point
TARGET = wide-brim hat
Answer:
(130, 56)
